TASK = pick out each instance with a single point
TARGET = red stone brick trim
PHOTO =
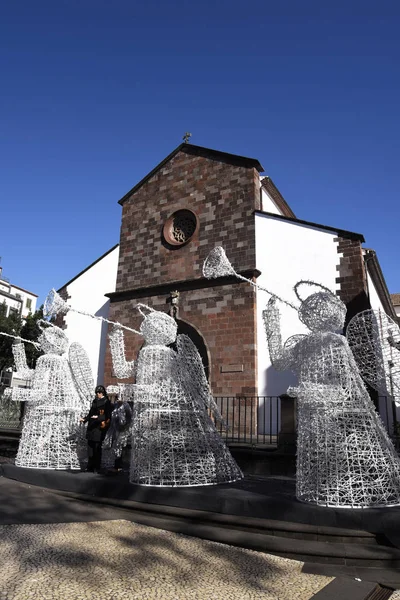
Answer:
(352, 277)
(222, 315)
(185, 285)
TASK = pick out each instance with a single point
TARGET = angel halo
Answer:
(321, 310)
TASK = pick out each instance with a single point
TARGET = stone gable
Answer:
(222, 196)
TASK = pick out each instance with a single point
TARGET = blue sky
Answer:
(95, 93)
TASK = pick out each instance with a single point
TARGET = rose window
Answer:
(180, 227)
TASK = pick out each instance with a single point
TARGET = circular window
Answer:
(180, 227)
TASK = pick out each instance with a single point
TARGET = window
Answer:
(29, 303)
(180, 227)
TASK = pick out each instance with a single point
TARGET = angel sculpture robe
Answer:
(54, 405)
(174, 440)
(344, 455)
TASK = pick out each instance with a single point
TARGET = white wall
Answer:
(385, 404)
(267, 204)
(19, 293)
(287, 252)
(24, 295)
(87, 293)
(374, 299)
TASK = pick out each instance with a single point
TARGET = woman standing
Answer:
(119, 432)
(98, 420)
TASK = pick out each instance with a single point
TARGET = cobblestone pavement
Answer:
(113, 560)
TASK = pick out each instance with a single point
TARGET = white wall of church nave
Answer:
(385, 404)
(374, 299)
(267, 204)
(87, 293)
(286, 253)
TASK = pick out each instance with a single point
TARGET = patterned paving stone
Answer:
(117, 560)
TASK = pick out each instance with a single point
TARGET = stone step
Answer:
(272, 527)
(242, 532)
(350, 589)
(388, 577)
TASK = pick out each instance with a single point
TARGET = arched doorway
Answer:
(198, 341)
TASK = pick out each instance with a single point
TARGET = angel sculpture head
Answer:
(158, 328)
(52, 339)
(322, 311)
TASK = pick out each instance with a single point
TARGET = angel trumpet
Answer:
(20, 339)
(54, 305)
(217, 265)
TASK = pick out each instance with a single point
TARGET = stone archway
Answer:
(198, 340)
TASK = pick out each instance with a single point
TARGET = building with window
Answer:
(194, 200)
(396, 303)
(16, 299)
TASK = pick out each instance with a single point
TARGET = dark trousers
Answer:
(94, 455)
(118, 463)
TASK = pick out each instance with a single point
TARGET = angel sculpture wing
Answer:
(191, 373)
(374, 339)
(81, 373)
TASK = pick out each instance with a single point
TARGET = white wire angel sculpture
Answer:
(174, 440)
(344, 455)
(60, 393)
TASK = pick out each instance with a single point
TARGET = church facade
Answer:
(194, 200)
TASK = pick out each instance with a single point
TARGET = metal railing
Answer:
(9, 412)
(252, 421)
(388, 414)
(249, 420)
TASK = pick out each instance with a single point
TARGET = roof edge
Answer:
(87, 268)
(375, 271)
(341, 232)
(276, 196)
(10, 296)
(196, 151)
(23, 290)
(181, 285)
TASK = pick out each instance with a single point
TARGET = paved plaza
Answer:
(57, 548)
(117, 559)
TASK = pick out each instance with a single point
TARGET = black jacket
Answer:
(97, 428)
